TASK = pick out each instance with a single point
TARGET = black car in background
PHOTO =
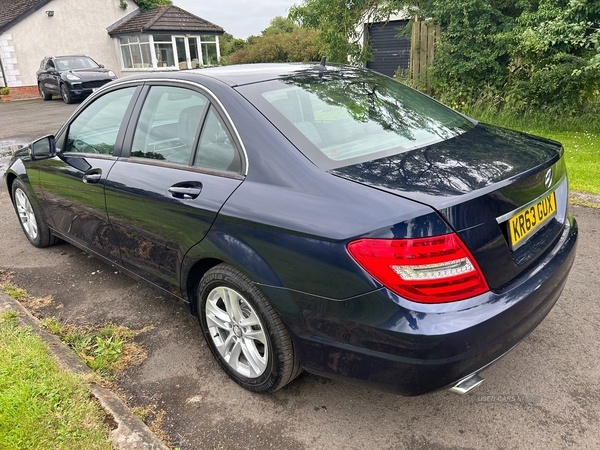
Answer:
(71, 77)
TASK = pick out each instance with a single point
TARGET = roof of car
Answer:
(237, 75)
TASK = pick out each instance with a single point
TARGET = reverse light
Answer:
(435, 269)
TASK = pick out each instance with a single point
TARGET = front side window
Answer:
(169, 124)
(96, 128)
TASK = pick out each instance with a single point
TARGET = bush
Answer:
(559, 82)
(5, 91)
(298, 46)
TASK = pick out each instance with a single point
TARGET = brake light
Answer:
(428, 270)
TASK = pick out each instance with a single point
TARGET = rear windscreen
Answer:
(343, 117)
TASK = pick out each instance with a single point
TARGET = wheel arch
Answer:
(17, 170)
(10, 178)
(216, 248)
(192, 279)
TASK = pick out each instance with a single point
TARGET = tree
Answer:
(279, 25)
(557, 55)
(520, 53)
(229, 44)
(146, 5)
(299, 45)
(340, 24)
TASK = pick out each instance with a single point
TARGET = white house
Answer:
(124, 40)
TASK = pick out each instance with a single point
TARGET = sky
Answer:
(241, 18)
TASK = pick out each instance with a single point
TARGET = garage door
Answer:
(389, 51)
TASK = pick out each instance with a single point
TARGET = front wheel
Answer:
(244, 332)
(65, 94)
(32, 222)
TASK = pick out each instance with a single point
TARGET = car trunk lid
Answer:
(481, 183)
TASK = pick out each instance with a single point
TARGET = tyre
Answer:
(43, 93)
(244, 332)
(65, 94)
(33, 224)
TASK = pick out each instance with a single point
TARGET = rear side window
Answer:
(179, 125)
(339, 118)
(169, 124)
(216, 149)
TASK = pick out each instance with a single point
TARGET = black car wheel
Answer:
(65, 94)
(43, 94)
(32, 222)
(243, 331)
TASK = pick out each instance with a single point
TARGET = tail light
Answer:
(428, 270)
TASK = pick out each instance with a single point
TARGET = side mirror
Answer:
(43, 148)
(101, 66)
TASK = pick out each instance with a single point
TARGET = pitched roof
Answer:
(13, 11)
(168, 18)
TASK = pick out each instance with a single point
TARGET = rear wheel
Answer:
(65, 94)
(244, 332)
(43, 93)
(33, 224)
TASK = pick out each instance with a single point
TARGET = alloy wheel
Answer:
(237, 332)
(26, 214)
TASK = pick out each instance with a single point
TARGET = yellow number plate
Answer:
(522, 226)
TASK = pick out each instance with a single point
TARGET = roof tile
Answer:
(168, 18)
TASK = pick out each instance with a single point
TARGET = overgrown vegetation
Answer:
(282, 41)
(146, 5)
(42, 406)
(106, 349)
(519, 55)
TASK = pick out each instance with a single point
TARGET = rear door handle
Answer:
(186, 193)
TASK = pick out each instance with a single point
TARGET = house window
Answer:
(136, 52)
(209, 46)
(163, 46)
(169, 51)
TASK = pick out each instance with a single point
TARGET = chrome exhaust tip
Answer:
(466, 384)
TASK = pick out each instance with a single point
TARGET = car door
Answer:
(181, 166)
(73, 181)
(44, 75)
(51, 77)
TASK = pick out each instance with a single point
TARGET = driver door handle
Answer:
(92, 177)
(184, 192)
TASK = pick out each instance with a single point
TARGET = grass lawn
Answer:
(41, 405)
(582, 155)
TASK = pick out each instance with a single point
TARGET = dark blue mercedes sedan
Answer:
(323, 218)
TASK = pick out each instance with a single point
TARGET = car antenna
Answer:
(321, 66)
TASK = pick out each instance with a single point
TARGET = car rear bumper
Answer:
(382, 340)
